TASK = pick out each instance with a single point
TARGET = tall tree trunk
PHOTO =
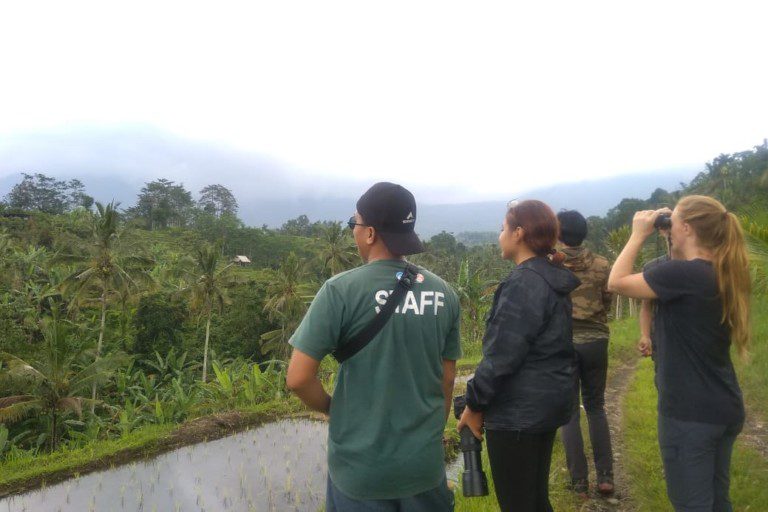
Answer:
(205, 349)
(53, 430)
(101, 341)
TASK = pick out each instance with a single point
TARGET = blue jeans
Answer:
(439, 499)
(697, 460)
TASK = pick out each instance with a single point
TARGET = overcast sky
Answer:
(476, 97)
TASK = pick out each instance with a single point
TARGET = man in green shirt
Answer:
(392, 398)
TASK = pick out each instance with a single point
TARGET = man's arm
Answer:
(302, 379)
(449, 376)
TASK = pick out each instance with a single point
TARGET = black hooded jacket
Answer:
(525, 380)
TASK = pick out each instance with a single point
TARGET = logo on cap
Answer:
(409, 219)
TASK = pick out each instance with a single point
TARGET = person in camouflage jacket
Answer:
(591, 302)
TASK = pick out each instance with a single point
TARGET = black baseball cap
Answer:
(391, 210)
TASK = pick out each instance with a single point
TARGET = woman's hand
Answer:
(645, 346)
(473, 420)
(642, 223)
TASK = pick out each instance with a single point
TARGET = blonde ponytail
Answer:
(720, 232)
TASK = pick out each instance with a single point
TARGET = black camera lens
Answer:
(473, 480)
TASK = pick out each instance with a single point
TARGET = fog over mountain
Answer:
(115, 163)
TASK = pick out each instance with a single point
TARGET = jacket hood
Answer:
(578, 258)
(559, 278)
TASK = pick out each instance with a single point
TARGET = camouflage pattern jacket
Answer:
(591, 300)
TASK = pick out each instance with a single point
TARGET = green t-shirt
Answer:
(387, 413)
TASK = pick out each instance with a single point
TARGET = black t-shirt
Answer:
(694, 374)
(649, 265)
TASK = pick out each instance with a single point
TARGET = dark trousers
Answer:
(439, 499)
(520, 466)
(591, 374)
(697, 461)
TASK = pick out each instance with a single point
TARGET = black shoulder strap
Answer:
(362, 338)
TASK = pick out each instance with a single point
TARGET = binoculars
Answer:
(473, 480)
(663, 221)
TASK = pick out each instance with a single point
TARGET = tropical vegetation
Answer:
(114, 321)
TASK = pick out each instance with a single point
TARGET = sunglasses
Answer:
(351, 223)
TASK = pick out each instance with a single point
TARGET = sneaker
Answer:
(605, 484)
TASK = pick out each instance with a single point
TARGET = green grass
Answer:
(621, 350)
(749, 472)
(467, 364)
(753, 374)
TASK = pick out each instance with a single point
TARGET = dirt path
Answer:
(755, 433)
(616, 390)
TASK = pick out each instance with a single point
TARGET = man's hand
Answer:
(473, 420)
(645, 346)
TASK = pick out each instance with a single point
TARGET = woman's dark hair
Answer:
(573, 228)
(539, 223)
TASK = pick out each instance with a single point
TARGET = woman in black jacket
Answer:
(523, 388)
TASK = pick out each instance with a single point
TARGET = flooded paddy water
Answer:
(279, 466)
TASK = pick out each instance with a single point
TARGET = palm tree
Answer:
(614, 244)
(208, 293)
(337, 250)
(473, 291)
(287, 298)
(755, 225)
(56, 384)
(104, 271)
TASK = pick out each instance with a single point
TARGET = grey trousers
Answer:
(697, 460)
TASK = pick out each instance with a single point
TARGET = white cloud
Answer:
(483, 97)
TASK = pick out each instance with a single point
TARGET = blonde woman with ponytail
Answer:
(703, 296)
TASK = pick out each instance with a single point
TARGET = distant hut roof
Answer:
(241, 259)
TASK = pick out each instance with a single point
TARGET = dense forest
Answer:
(113, 318)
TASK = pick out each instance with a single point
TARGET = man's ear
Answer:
(371, 238)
